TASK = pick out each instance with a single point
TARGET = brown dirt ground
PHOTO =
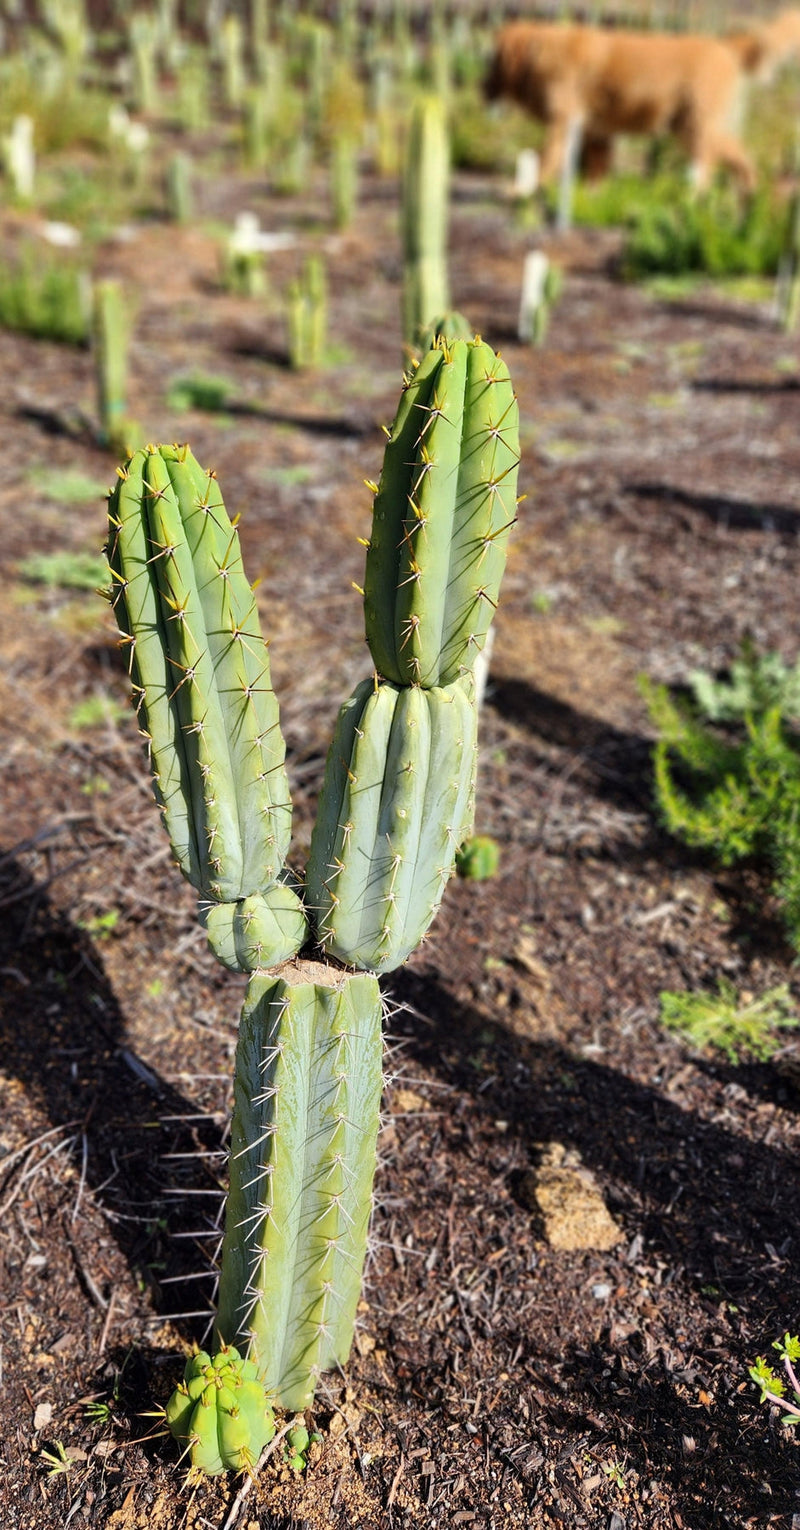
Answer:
(498, 1380)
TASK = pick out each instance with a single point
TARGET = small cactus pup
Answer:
(220, 1412)
(478, 858)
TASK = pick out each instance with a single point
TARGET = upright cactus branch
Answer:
(424, 217)
(395, 805)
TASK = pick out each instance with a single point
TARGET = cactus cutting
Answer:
(395, 805)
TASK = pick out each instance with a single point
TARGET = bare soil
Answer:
(500, 1378)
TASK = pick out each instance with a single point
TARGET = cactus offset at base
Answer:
(396, 803)
(220, 1412)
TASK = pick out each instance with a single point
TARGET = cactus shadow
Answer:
(745, 385)
(710, 1207)
(62, 1035)
(721, 510)
(614, 761)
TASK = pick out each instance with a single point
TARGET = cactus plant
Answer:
(220, 1410)
(424, 217)
(307, 318)
(395, 804)
(111, 333)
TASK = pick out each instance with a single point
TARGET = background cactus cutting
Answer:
(395, 805)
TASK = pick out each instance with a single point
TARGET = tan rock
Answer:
(568, 1198)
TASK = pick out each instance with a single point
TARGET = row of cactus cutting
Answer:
(395, 805)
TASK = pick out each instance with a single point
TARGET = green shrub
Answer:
(713, 235)
(737, 1026)
(727, 771)
(45, 296)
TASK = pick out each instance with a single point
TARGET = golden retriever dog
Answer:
(610, 82)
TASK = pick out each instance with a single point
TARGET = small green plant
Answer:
(307, 316)
(737, 1026)
(95, 712)
(773, 1387)
(66, 486)
(220, 1412)
(755, 683)
(298, 1443)
(713, 234)
(727, 773)
(46, 297)
(199, 391)
(100, 926)
(59, 1461)
(478, 858)
(65, 570)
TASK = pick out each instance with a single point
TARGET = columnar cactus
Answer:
(426, 174)
(395, 805)
(110, 338)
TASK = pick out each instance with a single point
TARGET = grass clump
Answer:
(727, 770)
(200, 391)
(45, 297)
(738, 1027)
(714, 235)
(672, 232)
(65, 570)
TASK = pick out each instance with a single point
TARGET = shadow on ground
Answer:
(62, 1035)
(722, 510)
(713, 1208)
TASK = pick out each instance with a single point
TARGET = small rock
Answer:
(601, 1291)
(42, 1416)
(616, 1521)
(569, 1200)
(407, 1101)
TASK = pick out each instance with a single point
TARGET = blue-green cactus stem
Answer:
(257, 932)
(306, 1101)
(201, 673)
(394, 807)
(443, 511)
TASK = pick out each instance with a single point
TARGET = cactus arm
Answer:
(194, 690)
(442, 516)
(486, 509)
(389, 512)
(209, 706)
(142, 624)
(307, 1093)
(390, 820)
(240, 658)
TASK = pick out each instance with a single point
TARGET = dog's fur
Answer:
(766, 46)
(624, 82)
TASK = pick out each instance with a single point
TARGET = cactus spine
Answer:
(395, 804)
(424, 217)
